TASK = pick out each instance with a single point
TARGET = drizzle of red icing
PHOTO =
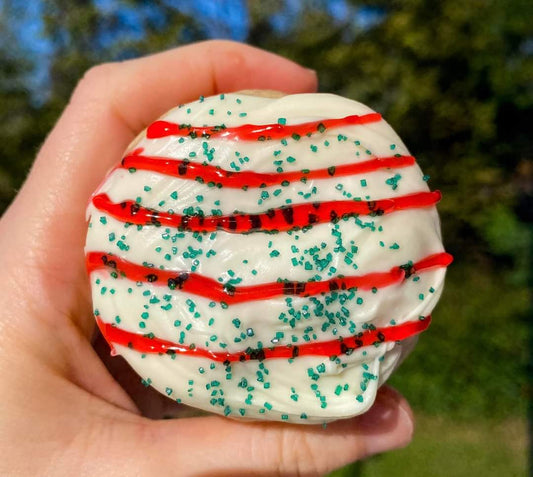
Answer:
(216, 176)
(197, 284)
(256, 132)
(280, 219)
(149, 344)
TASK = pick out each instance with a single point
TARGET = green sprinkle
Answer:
(393, 181)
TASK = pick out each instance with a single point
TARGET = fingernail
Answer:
(313, 86)
(388, 424)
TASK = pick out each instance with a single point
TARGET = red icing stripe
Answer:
(369, 337)
(280, 219)
(216, 176)
(256, 132)
(196, 284)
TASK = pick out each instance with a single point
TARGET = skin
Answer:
(62, 410)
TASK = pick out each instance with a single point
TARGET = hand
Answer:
(61, 410)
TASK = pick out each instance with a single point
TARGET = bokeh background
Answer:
(453, 77)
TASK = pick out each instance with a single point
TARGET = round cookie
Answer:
(266, 258)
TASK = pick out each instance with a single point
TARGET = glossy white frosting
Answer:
(307, 389)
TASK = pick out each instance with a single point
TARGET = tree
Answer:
(453, 83)
(20, 132)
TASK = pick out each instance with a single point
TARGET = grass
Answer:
(448, 448)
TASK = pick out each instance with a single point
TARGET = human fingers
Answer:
(217, 446)
(112, 103)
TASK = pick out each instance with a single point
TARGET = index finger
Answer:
(114, 102)
(111, 104)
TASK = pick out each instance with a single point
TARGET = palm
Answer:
(62, 410)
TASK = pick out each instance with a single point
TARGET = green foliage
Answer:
(20, 132)
(454, 84)
(72, 27)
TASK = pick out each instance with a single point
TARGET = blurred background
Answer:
(454, 78)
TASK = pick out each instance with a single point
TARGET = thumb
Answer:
(214, 446)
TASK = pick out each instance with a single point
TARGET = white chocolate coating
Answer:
(306, 389)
